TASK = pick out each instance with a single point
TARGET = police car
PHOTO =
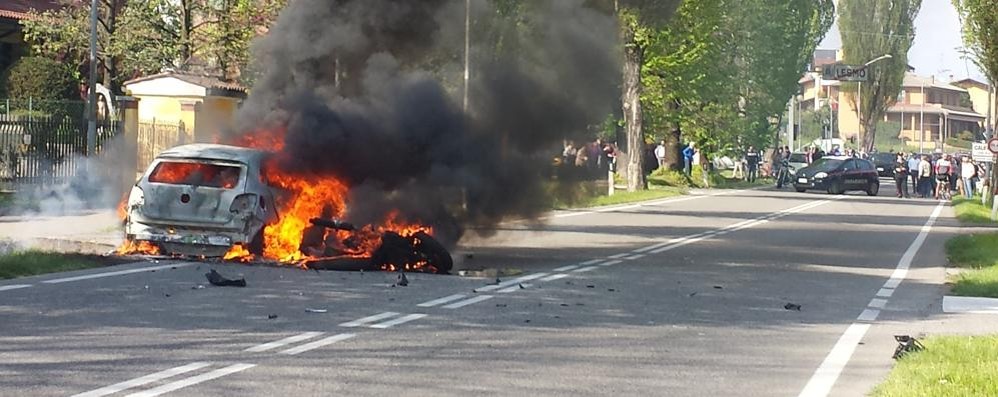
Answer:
(837, 175)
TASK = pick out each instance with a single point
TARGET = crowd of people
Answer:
(938, 175)
(591, 159)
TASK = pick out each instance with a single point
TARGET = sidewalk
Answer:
(88, 232)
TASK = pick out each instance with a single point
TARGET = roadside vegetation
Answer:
(972, 211)
(948, 366)
(977, 254)
(594, 194)
(32, 262)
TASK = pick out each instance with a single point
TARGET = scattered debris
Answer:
(590, 286)
(564, 304)
(217, 279)
(309, 310)
(526, 321)
(167, 295)
(271, 316)
(791, 306)
(718, 287)
(403, 281)
(199, 286)
(906, 344)
(469, 256)
(146, 287)
(498, 281)
(521, 286)
(611, 290)
(692, 294)
(500, 305)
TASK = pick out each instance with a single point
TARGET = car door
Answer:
(852, 175)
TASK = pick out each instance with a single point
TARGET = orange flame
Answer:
(238, 253)
(132, 247)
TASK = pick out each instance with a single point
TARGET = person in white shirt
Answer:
(924, 176)
(967, 172)
(660, 154)
(944, 167)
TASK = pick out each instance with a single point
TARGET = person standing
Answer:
(924, 176)
(660, 154)
(968, 171)
(688, 153)
(913, 172)
(901, 176)
(752, 163)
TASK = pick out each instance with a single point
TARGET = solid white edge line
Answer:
(281, 342)
(610, 263)
(13, 287)
(440, 301)
(117, 273)
(554, 277)
(397, 321)
(368, 319)
(585, 269)
(633, 257)
(508, 283)
(825, 376)
(467, 302)
(317, 344)
(180, 384)
(143, 380)
(564, 268)
(617, 256)
(590, 262)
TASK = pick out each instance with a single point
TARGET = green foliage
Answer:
(30, 263)
(870, 29)
(976, 253)
(887, 137)
(41, 79)
(966, 135)
(668, 177)
(980, 34)
(949, 366)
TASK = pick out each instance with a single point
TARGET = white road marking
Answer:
(317, 344)
(610, 263)
(286, 341)
(15, 286)
(644, 204)
(467, 302)
(440, 301)
(369, 319)
(885, 292)
(827, 374)
(397, 321)
(617, 256)
(590, 262)
(554, 277)
(633, 257)
(877, 303)
(508, 283)
(117, 273)
(565, 268)
(143, 380)
(585, 269)
(967, 304)
(650, 247)
(180, 384)
(514, 288)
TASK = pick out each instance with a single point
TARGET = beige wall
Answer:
(979, 97)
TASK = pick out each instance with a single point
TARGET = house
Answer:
(979, 93)
(12, 12)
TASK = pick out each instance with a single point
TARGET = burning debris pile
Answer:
(356, 100)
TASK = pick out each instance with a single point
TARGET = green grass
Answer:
(950, 366)
(623, 197)
(30, 263)
(978, 253)
(971, 211)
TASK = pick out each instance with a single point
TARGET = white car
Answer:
(201, 199)
(797, 161)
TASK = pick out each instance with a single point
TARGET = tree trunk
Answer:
(869, 135)
(673, 142)
(631, 99)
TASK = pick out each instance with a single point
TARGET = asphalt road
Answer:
(682, 297)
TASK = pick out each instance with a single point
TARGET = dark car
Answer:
(884, 163)
(837, 175)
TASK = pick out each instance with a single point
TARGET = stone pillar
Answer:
(128, 107)
(188, 119)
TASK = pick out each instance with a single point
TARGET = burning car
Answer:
(201, 199)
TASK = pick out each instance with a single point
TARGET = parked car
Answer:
(884, 163)
(797, 161)
(201, 199)
(837, 175)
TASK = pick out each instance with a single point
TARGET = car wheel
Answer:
(434, 252)
(799, 190)
(255, 246)
(873, 189)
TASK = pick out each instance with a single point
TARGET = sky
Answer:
(937, 40)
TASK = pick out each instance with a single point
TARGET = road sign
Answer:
(842, 72)
(980, 153)
(993, 145)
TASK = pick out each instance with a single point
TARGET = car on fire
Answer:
(838, 174)
(201, 199)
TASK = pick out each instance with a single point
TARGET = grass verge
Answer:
(971, 211)
(978, 253)
(590, 198)
(31, 263)
(949, 366)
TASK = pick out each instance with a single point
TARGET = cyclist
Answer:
(944, 167)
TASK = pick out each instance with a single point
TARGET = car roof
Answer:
(837, 157)
(213, 151)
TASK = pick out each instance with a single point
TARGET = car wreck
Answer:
(211, 200)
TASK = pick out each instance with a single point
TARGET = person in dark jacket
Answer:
(901, 176)
(752, 163)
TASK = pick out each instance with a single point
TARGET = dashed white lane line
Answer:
(467, 302)
(143, 380)
(650, 247)
(585, 269)
(12, 287)
(610, 263)
(369, 319)
(828, 372)
(508, 283)
(617, 256)
(397, 321)
(117, 273)
(180, 384)
(554, 277)
(317, 344)
(590, 262)
(633, 257)
(885, 292)
(286, 341)
(565, 268)
(440, 301)
(513, 288)
(644, 204)
(877, 303)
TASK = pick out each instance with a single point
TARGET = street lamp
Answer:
(859, 91)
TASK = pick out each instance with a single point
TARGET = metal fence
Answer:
(156, 136)
(44, 142)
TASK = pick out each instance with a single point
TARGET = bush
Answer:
(668, 177)
(41, 79)
(965, 135)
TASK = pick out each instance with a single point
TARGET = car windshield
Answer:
(884, 157)
(826, 164)
(798, 158)
(198, 174)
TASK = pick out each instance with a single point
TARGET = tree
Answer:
(870, 29)
(980, 35)
(40, 79)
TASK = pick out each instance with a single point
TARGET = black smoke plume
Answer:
(369, 91)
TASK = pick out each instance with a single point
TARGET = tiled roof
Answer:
(18, 9)
(204, 81)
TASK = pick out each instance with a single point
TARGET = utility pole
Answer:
(921, 122)
(92, 89)
(467, 47)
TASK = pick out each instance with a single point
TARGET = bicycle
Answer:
(942, 189)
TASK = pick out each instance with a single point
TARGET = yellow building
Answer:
(202, 105)
(979, 98)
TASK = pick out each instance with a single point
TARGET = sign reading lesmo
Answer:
(841, 72)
